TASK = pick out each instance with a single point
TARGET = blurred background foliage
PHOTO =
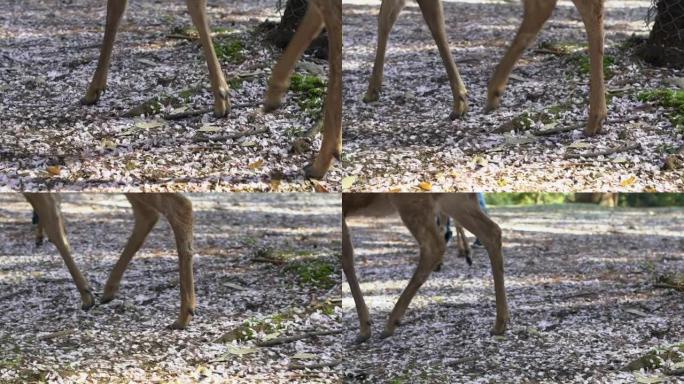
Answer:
(604, 199)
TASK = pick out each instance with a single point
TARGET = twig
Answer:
(553, 131)
(15, 293)
(609, 151)
(314, 366)
(182, 37)
(267, 260)
(203, 139)
(184, 114)
(669, 286)
(289, 339)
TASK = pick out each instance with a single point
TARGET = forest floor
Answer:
(45, 336)
(49, 140)
(580, 285)
(406, 138)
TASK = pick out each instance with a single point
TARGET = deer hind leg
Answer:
(350, 273)
(308, 29)
(418, 214)
(39, 230)
(466, 210)
(331, 146)
(115, 10)
(536, 12)
(145, 219)
(592, 15)
(47, 208)
(197, 9)
(462, 243)
(434, 17)
(178, 211)
(389, 12)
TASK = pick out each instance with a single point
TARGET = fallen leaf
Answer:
(209, 128)
(304, 356)
(256, 165)
(148, 124)
(54, 170)
(240, 351)
(425, 186)
(631, 180)
(347, 182)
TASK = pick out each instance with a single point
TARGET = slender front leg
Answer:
(466, 210)
(419, 217)
(350, 273)
(434, 17)
(389, 12)
(115, 10)
(145, 219)
(592, 15)
(178, 211)
(463, 246)
(219, 87)
(535, 15)
(47, 208)
(308, 29)
(331, 147)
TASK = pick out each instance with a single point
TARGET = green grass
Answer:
(584, 64)
(667, 98)
(316, 272)
(312, 93)
(230, 50)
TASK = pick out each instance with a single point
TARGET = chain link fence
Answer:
(665, 45)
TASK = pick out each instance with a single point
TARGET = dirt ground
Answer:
(407, 138)
(46, 336)
(48, 140)
(580, 285)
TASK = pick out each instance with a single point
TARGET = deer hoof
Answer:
(312, 172)
(386, 333)
(362, 338)
(177, 325)
(595, 125)
(92, 97)
(221, 108)
(499, 328)
(460, 108)
(371, 96)
(271, 105)
(88, 301)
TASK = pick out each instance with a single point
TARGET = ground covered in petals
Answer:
(583, 289)
(266, 268)
(406, 138)
(133, 138)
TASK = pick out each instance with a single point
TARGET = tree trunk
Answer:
(665, 44)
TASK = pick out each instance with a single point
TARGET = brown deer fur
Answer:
(146, 210)
(418, 212)
(535, 14)
(320, 13)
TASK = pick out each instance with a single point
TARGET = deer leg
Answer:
(331, 146)
(308, 29)
(39, 233)
(592, 15)
(420, 220)
(350, 273)
(145, 219)
(115, 10)
(466, 210)
(45, 205)
(434, 17)
(197, 9)
(535, 15)
(463, 246)
(389, 12)
(178, 211)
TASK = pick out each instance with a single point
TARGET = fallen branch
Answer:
(268, 260)
(669, 286)
(185, 114)
(15, 293)
(204, 139)
(606, 152)
(553, 131)
(314, 366)
(290, 339)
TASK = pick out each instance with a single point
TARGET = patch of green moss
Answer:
(667, 98)
(655, 358)
(584, 64)
(235, 82)
(316, 272)
(560, 48)
(311, 90)
(230, 50)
